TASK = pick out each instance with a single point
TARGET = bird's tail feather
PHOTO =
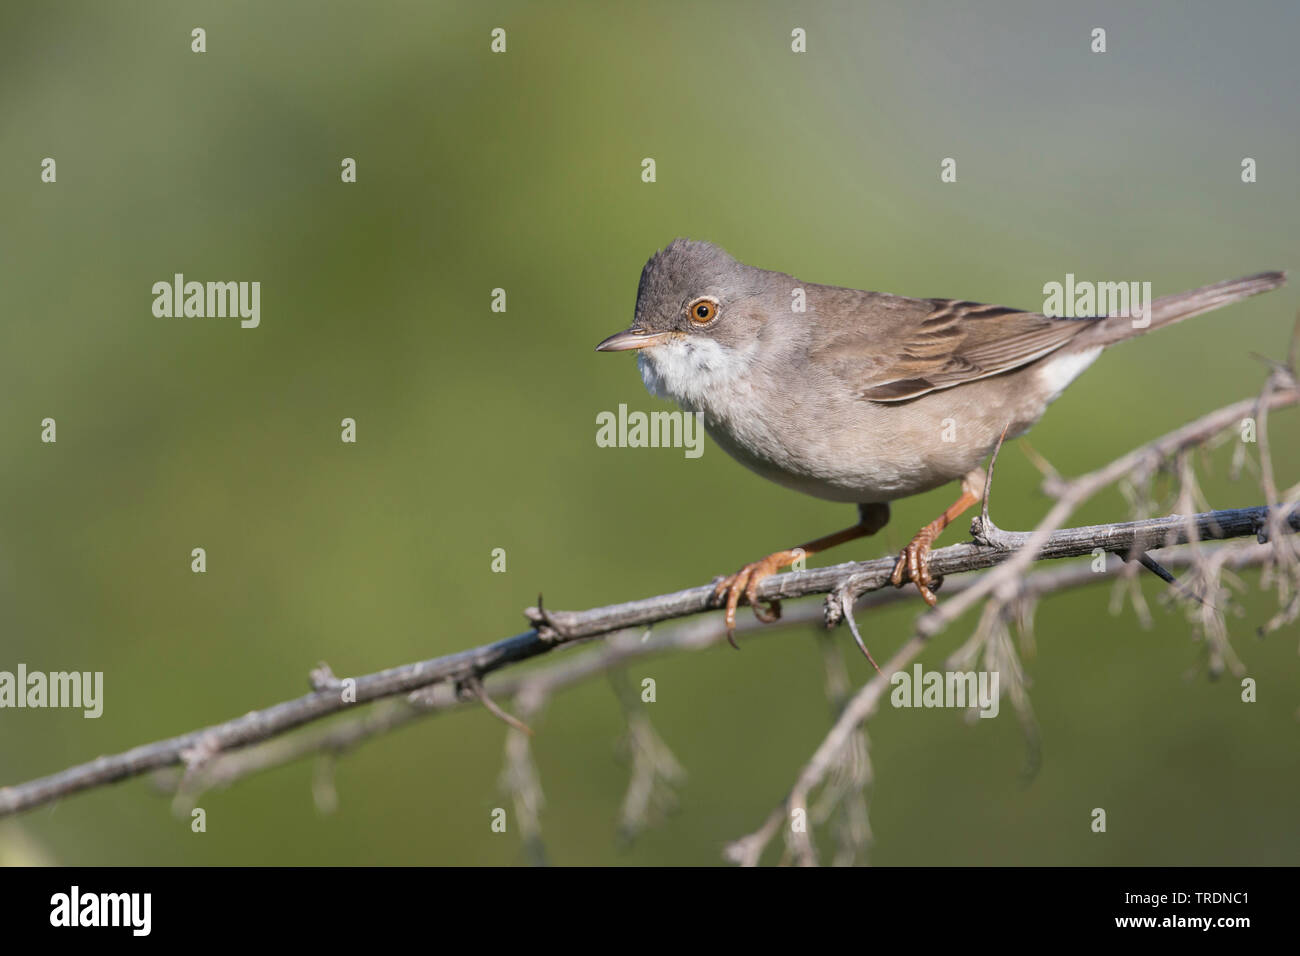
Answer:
(1174, 308)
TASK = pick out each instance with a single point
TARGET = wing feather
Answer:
(917, 346)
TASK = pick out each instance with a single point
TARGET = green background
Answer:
(477, 429)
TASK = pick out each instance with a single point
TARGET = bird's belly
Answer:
(864, 452)
(866, 472)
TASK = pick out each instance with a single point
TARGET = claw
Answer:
(916, 556)
(745, 582)
(915, 560)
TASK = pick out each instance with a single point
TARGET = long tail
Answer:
(1174, 308)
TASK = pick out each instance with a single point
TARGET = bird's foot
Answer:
(914, 565)
(745, 583)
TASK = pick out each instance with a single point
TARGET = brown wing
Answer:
(921, 345)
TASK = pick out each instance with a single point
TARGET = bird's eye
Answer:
(703, 311)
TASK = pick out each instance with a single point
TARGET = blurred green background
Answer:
(477, 429)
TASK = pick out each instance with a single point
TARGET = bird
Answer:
(861, 397)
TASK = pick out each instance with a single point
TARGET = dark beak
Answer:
(633, 338)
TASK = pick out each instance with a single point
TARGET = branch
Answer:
(618, 651)
(465, 666)
(554, 629)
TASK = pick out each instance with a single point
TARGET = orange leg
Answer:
(871, 518)
(914, 558)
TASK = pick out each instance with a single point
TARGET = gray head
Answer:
(692, 291)
(700, 318)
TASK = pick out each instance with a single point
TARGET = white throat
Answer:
(689, 370)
